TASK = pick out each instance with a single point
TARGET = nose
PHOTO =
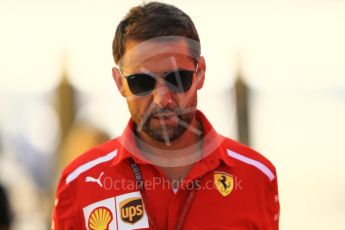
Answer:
(162, 96)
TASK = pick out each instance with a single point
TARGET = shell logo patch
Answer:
(224, 182)
(100, 219)
(100, 215)
(132, 210)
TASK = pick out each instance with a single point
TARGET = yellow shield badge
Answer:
(224, 182)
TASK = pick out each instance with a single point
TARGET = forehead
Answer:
(156, 55)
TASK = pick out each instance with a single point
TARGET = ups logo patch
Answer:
(132, 210)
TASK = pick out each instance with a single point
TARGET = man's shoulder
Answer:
(90, 159)
(245, 156)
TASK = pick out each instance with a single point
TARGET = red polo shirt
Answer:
(237, 189)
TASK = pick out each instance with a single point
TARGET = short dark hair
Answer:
(152, 20)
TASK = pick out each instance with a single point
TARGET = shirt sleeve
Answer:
(273, 208)
(63, 217)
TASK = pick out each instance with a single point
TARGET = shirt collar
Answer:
(213, 150)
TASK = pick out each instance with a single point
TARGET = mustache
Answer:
(178, 111)
(166, 110)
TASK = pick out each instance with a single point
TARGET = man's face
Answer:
(162, 114)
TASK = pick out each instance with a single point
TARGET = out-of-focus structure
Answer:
(77, 136)
(242, 109)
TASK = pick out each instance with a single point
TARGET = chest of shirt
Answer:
(223, 199)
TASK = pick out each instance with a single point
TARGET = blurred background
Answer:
(275, 79)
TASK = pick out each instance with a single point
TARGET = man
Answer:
(169, 169)
(5, 212)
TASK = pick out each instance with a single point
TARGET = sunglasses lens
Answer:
(180, 81)
(141, 84)
(177, 81)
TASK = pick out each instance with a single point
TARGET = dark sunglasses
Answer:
(177, 81)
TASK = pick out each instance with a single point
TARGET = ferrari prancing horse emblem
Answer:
(224, 182)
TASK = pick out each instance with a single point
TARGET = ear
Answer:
(200, 74)
(118, 80)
